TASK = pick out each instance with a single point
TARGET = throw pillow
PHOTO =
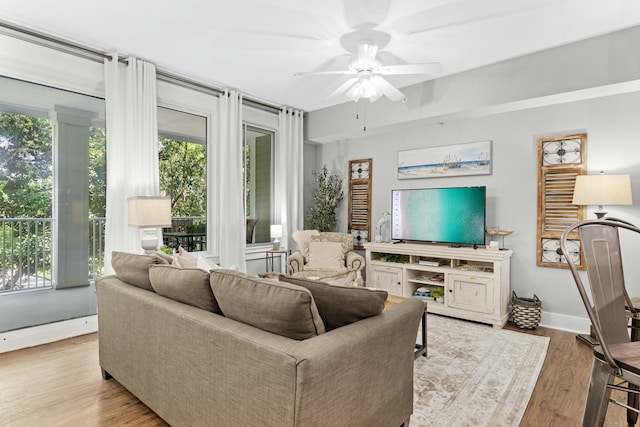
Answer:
(302, 239)
(186, 285)
(134, 268)
(280, 308)
(345, 239)
(184, 259)
(206, 264)
(166, 257)
(325, 255)
(341, 305)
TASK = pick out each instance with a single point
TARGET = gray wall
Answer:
(608, 113)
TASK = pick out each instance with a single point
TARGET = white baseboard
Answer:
(43, 334)
(578, 325)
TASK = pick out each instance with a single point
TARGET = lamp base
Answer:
(600, 212)
(276, 245)
(149, 240)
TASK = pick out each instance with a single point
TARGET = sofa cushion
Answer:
(280, 308)
(325, 256)
(341, 305)
(134, 268)
(186, 285)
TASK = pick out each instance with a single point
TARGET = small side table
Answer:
(271, 253)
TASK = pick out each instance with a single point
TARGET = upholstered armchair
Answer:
(327, 256)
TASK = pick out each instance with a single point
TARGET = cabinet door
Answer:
(470, 293)
(388, 279)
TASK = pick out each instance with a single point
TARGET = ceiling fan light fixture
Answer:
(354, 92)
(364, 88)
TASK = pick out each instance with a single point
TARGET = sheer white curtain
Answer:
(232, 218)
(132, 148)
(289, 179)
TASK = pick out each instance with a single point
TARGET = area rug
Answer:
(475, 375)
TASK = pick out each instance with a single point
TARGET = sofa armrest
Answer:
(354, 261)
(362, 371)
(295, 262)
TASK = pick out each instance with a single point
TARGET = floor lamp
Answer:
(148, 213)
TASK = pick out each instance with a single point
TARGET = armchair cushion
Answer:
(325, 255)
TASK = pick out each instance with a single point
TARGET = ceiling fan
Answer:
(367, 73)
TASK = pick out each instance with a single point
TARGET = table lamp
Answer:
(602, 190)
(149, 213)
(276, 233)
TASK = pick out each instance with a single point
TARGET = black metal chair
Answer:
(609, 308)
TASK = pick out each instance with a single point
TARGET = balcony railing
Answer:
(25, 254)
(188, 232)
(96, 247)
(26, 250)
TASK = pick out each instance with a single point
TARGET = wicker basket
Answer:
(526, 312)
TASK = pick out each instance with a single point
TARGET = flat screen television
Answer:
(454, 215)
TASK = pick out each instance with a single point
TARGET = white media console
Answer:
(475, 281)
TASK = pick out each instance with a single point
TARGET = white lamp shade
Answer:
(602, 190)
(149, 211)
(276, 231)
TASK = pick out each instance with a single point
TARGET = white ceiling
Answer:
(258, 45)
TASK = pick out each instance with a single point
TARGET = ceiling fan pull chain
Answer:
(357, 115)
(364, 117)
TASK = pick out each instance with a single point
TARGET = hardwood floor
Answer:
(561, 390)
(59, 384)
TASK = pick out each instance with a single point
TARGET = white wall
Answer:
(613, 129)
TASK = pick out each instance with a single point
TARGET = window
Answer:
(52, 187)
(182, 146)
(258, 179)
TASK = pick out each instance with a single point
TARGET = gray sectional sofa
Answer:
(221, 348)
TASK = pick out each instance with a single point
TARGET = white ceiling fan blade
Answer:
(387, 89)
(430, 68)
(344, 87)
(326, 73)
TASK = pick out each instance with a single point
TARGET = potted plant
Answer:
(438, 294)
(326, 199)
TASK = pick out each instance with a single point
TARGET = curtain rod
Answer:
(93, 54)
(192, 84)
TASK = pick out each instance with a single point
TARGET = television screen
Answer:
(441, 215)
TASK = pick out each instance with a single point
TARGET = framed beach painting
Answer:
(473, 158)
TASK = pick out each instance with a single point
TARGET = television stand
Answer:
(475, 281)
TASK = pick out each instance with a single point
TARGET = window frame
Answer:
(192, 101)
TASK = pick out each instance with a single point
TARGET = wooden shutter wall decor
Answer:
(560, 160)
(360, 201)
